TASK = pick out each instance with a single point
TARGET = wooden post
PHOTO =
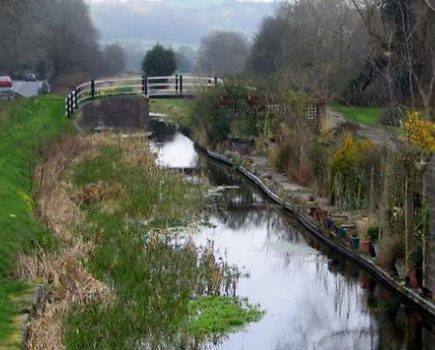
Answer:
(372, 202)
(92, 89)
(144, 79)
(146, 85)
(407, 214)
(181, 85)
(176, 84)
(67, 107)
(215, 81)
(76, 99)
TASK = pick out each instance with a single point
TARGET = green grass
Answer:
(178, 110)
(363, 115)
(25, 126)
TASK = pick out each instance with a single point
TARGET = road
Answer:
(26, 88)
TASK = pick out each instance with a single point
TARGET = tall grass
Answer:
(131, 208)
(28, 125)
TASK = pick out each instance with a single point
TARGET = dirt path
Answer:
(381, 135)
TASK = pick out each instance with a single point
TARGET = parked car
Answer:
(5, 81)
(30, 77)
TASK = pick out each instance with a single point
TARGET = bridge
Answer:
(177, 86)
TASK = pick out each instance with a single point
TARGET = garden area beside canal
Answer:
(368, 187)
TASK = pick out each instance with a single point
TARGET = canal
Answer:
(313, 298)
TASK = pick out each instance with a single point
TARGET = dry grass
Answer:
(58, 208)
(62, 271)
(391, 248)
(69, 283)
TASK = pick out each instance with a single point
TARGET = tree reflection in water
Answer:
(324, 301)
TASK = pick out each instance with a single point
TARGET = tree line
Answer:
(364, 52)
(54, 39)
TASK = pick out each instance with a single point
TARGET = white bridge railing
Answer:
(176, 86)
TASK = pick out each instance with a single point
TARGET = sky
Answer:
(138, 24)
(176, 21)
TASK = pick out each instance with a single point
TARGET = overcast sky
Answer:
(181, 22)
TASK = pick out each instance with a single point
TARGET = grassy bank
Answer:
(132, 210)
(178, 109)
(26, 127)
(363, 115)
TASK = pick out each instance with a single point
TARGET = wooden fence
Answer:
(177, 86)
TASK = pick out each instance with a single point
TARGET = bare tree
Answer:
(403, 40)
(114, 59)
(52, 36)
(223, 53)
(315, 45)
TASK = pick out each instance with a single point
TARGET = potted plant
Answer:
(354, 240)
(374, 232)
(364, 244)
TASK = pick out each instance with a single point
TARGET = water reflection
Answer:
(172, 148)
(313, 298)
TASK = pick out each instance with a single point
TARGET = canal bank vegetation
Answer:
(27, 129)
(365, 184)
(355, 174)
(120, 277)
(88, 226)
(165, 291)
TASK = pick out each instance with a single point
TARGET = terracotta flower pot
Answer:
(412, 274)
(364, 246)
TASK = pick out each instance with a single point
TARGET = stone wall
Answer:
(429, 179)
(126, 112)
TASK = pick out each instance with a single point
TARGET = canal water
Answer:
(312, 298)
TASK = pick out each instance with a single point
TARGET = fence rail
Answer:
(154, 87)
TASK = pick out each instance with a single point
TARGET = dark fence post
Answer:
(92, 89)
(143, 84)
(146, 85)
(181, 84)
(67, 107)
(176, 83)
(209, 81)
(215, 81)
(76, 99)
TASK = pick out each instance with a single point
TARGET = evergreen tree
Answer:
(159, 61)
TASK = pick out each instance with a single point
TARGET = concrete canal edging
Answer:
(404, 294)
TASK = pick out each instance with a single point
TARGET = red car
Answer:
(5, 81)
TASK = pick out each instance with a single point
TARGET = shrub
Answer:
(216, 109)
(373, 232)
(351, 168)
(420, 132)
(391, 117)
(391, 248)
